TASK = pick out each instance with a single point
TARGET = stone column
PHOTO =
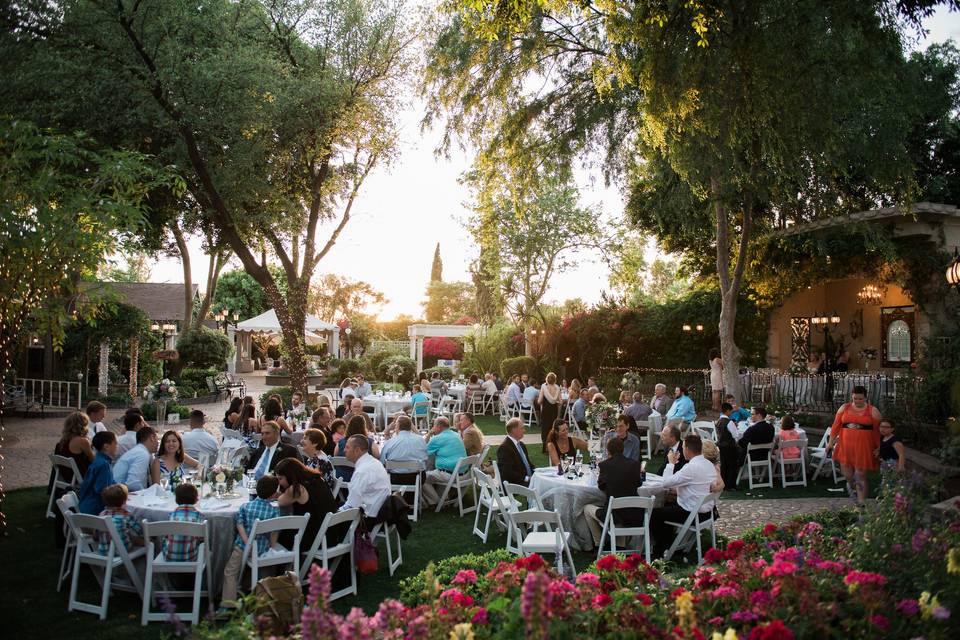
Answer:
(103, 371)
(333, 345)
(134, 365)
(232, 362)
(419, 354)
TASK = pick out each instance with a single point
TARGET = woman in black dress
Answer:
(304, 491)
(729, 451)
(549, 401)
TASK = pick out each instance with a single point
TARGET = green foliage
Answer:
(204, 348)
(418, 589)
(436, 269)
(949, 451)
(409, 369)
(490, 346)
(285, 393)
(150, 410)
(446, 373)
(388, 386)
(333, 296)
(448, 302)
(238, 291)
(196, 379)
(119, 400)
(938, 397)
(518, 366)
(347, 368)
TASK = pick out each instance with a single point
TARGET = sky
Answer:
(404, 209)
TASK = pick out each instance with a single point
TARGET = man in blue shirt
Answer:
(739, 414)
(133, 467)
(682, 409)
(405, 445)
(446, 448)
(99, 475)
(514, 393)
(580, 408)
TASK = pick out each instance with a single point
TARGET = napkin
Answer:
(153, 491)
(212, 504)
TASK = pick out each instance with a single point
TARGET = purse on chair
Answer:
(364, 551)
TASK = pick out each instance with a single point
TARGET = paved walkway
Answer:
(736, 516)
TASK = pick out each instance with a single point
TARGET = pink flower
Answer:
(919, 540)
(743, 616)
(830, 565)
(774, 630)
(608, 563)
(601, 600)
(588, 579)
(480, 617)
(908, 607)
(760, 598)
(864, 577)
(458, 597)
(880, 622)
(791, 554)
(769, 529)
(896, 548)
(780, 568)
(723, 592)
(940, 612)
(465, 576)
(900, 503)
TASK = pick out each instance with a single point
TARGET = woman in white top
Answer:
(716, 378)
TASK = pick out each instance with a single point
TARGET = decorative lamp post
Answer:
(687, 328)
(953, 271)
(700, 328)
(347, 332)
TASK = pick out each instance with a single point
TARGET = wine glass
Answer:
(164, 483)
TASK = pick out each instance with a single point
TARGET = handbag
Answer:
(279, 602)
(365, 553)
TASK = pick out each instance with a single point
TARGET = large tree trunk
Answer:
(187, 276)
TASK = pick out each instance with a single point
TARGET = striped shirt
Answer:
(127, 527)
(250, 512)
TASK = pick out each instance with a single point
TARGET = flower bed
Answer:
(894, 575)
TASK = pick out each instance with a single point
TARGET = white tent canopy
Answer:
(316, 331)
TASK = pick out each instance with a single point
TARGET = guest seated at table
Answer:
(131, 532)
(135, 468)
(270, 452)
(727, 436)
(692, 483)
(247, 422)
(631, 443)
(631, 424)
(624, 400)
(560, 443)
(356, 409)
(348, 388)
(132, 422)
(363, 387)
(197, 442)
(530, 394)
(304, 491)
(370, 486)
(670, 439)
(712, 453)
(344, 408)
(97, 412)
(298, 410)
(514, 392)
(260, 508)
(446, 448)
(574, 389)
(75, 444)
(682, 409)
(660, 402)
(489, 385)
(738, 414)
(619, 477)
(759, 432)
(405, 445)
(230, 415)
(339, 429)
(579, 409)
(171, 459)
(100, 474)
(638, 409)
(419, 397)
(512, 457)
(322, 419)
(181, 548)
(473, 388)
(273, 412)
(788, 432)
(438, 388)
(313, 443)
(470, 433)
(357, 426)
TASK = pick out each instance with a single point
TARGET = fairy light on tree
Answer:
(64, 207)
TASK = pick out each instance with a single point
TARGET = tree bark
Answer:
(187, 276)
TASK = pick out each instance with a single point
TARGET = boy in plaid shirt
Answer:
(257, 509)
(180, 548)
(131, 532)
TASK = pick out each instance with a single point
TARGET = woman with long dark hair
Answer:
(171, 458)
(304, 491)
(560, 443)
(230, 416)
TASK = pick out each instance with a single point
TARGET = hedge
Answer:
(518, 366)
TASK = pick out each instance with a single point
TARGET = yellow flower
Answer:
(685, 613)
(953, 560)
(729, 635)
(463, 631)
(928, 604)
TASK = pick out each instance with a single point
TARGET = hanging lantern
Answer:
(953, 271)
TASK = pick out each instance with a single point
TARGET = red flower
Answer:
(769, 529)
(880, 622)
(530, 563)
(644, 599)
(601, 600)
(609, 563)
(480, 617)
(775, 630)
(676, 593)
(714, 556)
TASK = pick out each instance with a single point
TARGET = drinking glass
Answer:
(164, 483)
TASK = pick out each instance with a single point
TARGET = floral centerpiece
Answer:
(601, 416)
(868, 355)
(395, 371)
(219, 474)
(161, 391)
(631, 381)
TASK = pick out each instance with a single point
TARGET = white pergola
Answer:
(267, 322)
(417, 332)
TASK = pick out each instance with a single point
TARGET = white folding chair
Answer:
(383, 530)
(553, 540)
(527, 413)
(491, 499)
(704, 434)
(275, 555)
(504, 406)
(342, 461)
(460, 480)
(154, 534)
(420, 413)
(404, 466)
(230, 434)
(489, 402)
(483, 455)
(63, 468)
(764, 464)
(646, 438)
(87, 530)
(692, 526)
(611, 531)
(518, 495)
(371, 412)
(331, 555)
(448, 407)
(799, 463)
(67, 503)
(477, 403)
(705, 429)
(819, 458)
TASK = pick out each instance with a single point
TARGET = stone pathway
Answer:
(736, 516)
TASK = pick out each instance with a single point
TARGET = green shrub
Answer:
(150, 410)
(409, 369)
(196, 377)
(285, 393)
(348, 367)
(187, 390)
(370, 363)
(203, 347)
(446, 373)
(519, 365)
(416, 590)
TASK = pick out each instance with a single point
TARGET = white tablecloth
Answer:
(386, 406)
(222, 529)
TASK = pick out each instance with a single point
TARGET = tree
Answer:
(135, 269)
(436, 269)
(238, 291)
(202, 347)
(449, 301)
(540, 228)
(336, 296)
(733, 116)
(275, 112)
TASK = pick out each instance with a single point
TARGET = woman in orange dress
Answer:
(854, 437)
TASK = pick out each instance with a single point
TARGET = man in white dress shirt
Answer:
(489, 386)
(692, 483)
(370, 484)
(514, 394)
(133, 467)
(132, 421)
(197, 442)
(97, 412)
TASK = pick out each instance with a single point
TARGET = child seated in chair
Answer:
(131, 532)
(788, 431)
(260, 508)
(179, 548)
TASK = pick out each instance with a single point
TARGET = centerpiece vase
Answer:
(161, 413)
